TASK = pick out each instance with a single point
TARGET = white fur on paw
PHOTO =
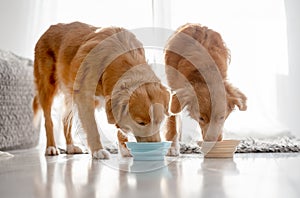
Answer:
(51, 150)
(101, 154)
(174, 151)
(124, 151)
(72, 149)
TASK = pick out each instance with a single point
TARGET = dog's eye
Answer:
(222, 118)
(142, 123)
(201, 119)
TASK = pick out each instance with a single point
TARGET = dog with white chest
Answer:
(84, 62)
(196, 61)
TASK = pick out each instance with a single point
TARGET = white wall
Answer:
(290, 85)
(14, 17)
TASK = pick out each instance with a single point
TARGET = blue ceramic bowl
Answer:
(148, 150)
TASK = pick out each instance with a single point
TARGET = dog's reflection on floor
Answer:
(216, 173)
(67, 176)
(80, 176)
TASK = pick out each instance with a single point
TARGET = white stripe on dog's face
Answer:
(146, 112)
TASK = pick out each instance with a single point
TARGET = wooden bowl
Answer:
(220, 149)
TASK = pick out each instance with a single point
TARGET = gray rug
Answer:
(255, 145)
(283, 144)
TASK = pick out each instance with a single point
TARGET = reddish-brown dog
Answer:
(196, 61)
(84, 62)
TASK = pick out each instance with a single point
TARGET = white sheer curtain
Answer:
(254, 31)
(129, 14)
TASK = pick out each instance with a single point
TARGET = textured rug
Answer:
(255, 145)
(282, 144)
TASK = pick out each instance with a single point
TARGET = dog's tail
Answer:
(36, 107)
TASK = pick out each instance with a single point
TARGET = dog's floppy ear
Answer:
(116, 110)
(235, 97)
(182, 98)
(166, 98)
(175, 106)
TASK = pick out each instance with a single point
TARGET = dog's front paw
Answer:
(72, 149)
(174, 150)
(101, 154)
(124, 151)
(52, 150)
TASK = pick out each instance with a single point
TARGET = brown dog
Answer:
(196, 66)
(84, 63)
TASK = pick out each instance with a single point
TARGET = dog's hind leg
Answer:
(47, 88)
(67, 122)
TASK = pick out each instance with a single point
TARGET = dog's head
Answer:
(139, 104)
(210, 112)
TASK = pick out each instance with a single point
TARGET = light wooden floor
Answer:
(31, 174)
